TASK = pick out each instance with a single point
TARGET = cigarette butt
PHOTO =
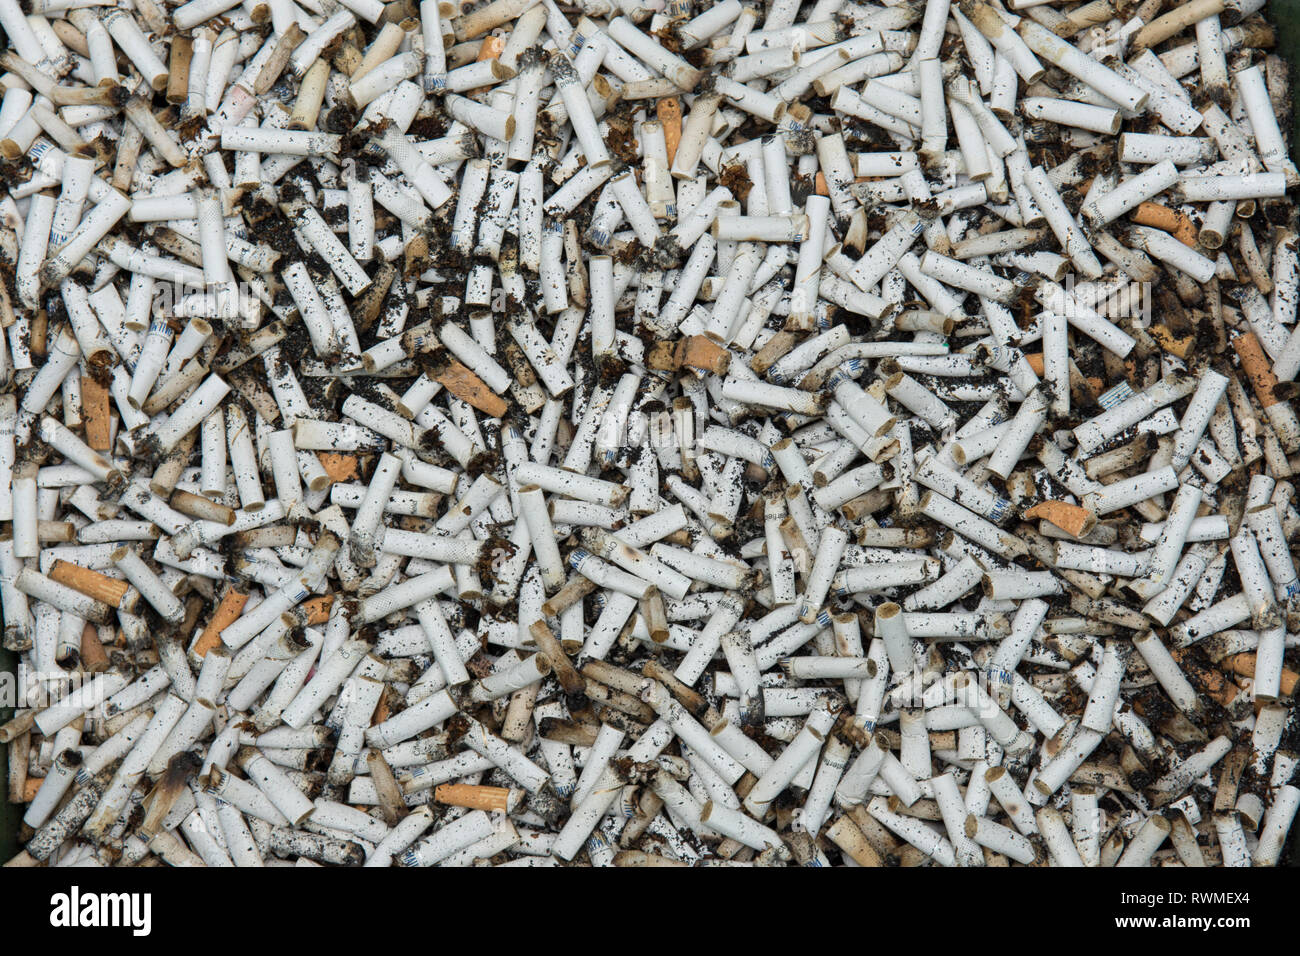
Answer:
(366, 309)
(56, 532)
(819, 185)
(1072, 519)
(40, 332)
(7, 315)
(178, 80)
(771, 352)
(382, 711)
(95, 413)
(202, 507)
(339, 467)
(685, 695)
(1180, 347)
(1171, 221)
(22, 723)
(943, 740)
(567, 732)
(637, 858)
(30, 786)
(317, 609)
(491, 48)
(701, 352)
(19, 751)
(669, 111)
(857, 508)
(1214, 683)
(1257, 367)
(387, 788)
(468, 387)
(92, 584)
(550, 645)
(663, 357)
(475, 796)
(94, 658)
(289, 41)
(415, 256)
(1036, 363)
(347, 59)
(232, 604)
(1243, 665)
(618, 701)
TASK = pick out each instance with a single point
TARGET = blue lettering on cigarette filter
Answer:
(998, 675)
(1116, 395)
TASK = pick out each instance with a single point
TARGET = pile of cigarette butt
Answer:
(820, 433)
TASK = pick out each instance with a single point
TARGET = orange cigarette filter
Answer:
(1036, 363)
(491, 48)
(469, 388)
(95, 413)
(700, 351)
(382, 711)
(1257, 368)
(1072, 519)
(317, 609)
(339, 467)
(232, 604)
(1243, 665)
(90, 583)
(30, 786)
(669, 111)
(94, 658)
(474, 796)
(1171, 221)
(1215, 683)
(1174, 345)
